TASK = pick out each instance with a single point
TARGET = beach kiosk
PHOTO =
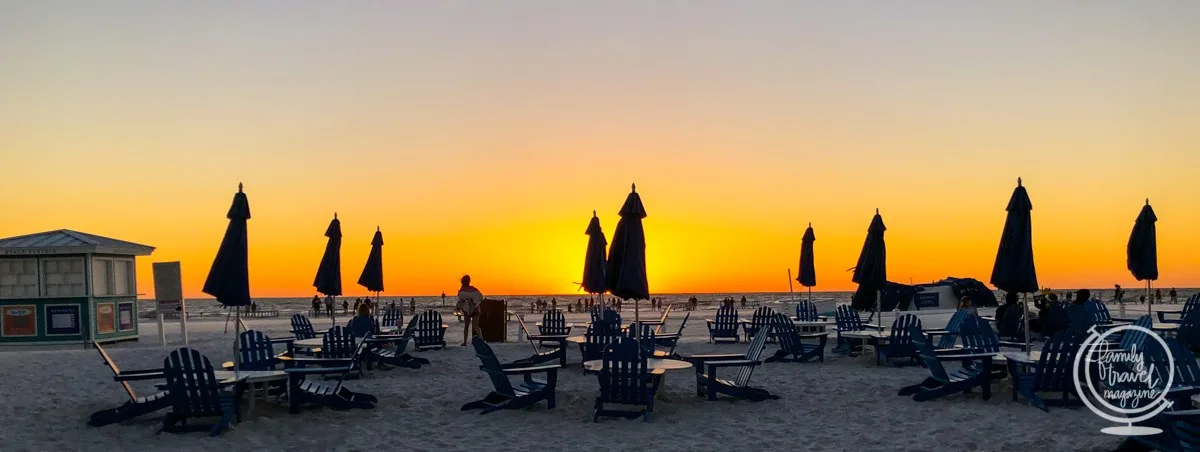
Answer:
(68, 287)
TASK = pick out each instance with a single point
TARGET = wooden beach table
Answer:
(657, 366)
(880, 336)
(569, 325)
(253, 379)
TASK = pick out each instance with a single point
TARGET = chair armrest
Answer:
(318, 370)
(531, 370)
(712, 357)
(812, 335)
(731, 363)
(137, 375)
(282, 340)
(548, 337)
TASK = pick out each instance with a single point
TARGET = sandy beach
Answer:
(842, 404)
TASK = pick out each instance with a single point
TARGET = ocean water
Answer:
(824, 301)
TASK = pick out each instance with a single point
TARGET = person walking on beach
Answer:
(1158, 296)
(1118, 294)
(1172, 294)
(329, 305)
(316, 305)
(469, 299)
(412, 305)
(743, 301)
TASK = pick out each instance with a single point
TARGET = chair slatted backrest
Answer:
(554, 322)
(762, 317)
(787, 334)
(753, 353)
(1190, 305)
(1054, 320)
(1188, 332)
(928, 356)
(727, 321)
(978, 336)
(597, 314)
(1054, 369)
(255, 351)
(646, 339)
(625, 376)
(193, 387)
(392, 318)
(806, 311)
(1098, 311)
(662, 321)
(491, 365)
(954, 327)
(847, 319)
(899, 338)
(611, 316)
(1012, 326)
(597, 338)
(1187, 370)
(338, 343)
(429, 329)
(1079, 319)
(302, 328)
(116, 371)
(1135, 338)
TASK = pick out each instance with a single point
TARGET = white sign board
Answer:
(168, 296)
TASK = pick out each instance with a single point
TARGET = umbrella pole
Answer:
(237, 336)
(810, 294)
(1149, 299)
(1025, 317)
(790, 292)
(637, 320)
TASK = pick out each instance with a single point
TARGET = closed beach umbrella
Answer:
(871, 270)
(1014, 270)
(229, 278)
(329, 273)
(593, 263)
(808, 270)
(372, 274)
(625, 275)
(1141, 254)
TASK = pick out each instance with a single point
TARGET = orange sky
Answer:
(481, 141)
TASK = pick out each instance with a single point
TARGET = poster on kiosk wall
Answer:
(18, 321)
(106, 318)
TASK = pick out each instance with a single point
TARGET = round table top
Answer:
(569, 325)
(867, 333)
(577, 339)
(1164, 326)
(309, 343)
(651, 363)
(813, 322)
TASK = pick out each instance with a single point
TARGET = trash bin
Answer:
(492, 322)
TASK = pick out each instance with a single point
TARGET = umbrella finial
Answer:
(335, 215)
(876, 211)
(1018, 182)
(633, 187)
(810, 224)
(593, 213)
(1147, 201)
(239, 187)
(376, 228)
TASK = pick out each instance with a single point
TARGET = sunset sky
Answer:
(480, 135)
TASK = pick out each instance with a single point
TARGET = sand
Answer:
(842, 404)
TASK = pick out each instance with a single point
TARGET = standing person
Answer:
(329, 305)
(1172, 294)
(1118, 294)
(743, 301)
(965, 303)
(412, 305)
(1158, 296)
(345, 307)
(469, 299)
(316, 306)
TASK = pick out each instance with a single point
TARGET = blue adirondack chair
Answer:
(302, 328)
(762, 318)
(305, 388)
(671, 339)
(1188, 434)
(646, 340)
(940, 383)
(393, 318)
(1055, 320)
(847, 319)
(136, 406)
(390, 350)
(194, 392)
(979, 337)
(504, 395)
(1099, 312)
(557, 353)
(362, 326)
(1053, 372)
(900, 344)
(430, 332)
(1126, 340)
(1192, 303)
(806, 311)
(597, 339)
(606, 315)
(709, 383)
(554, 323)
(725, 326)
(626, 379)
(948, 338)
(1079, 319)
(792, 345)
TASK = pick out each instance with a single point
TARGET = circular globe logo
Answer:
(1125, 386)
